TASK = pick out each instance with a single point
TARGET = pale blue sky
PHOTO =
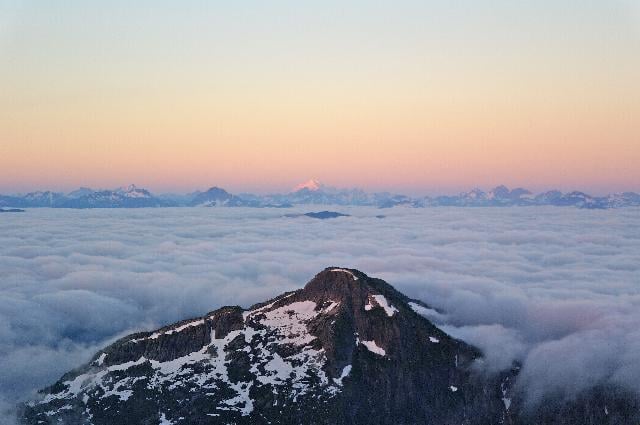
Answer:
(456, 83)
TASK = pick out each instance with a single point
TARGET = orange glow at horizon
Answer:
(418, 118)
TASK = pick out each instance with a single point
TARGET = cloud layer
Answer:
(557, 289)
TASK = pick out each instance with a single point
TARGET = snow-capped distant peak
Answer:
(132, 191)
(311, 185)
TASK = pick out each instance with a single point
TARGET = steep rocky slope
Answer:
(345, 349)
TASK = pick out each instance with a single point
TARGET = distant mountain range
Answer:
(312, 192)
(129, 197)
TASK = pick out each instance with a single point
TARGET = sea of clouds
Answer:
(557, 289)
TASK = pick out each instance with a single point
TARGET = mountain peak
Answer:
(214, 196)
(217, 190)
(344, 283)
(344, 349)
(311, 185)
(340, 346)
(133, 191)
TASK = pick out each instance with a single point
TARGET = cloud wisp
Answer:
(556, 289)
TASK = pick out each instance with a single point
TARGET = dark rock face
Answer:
(345, 349)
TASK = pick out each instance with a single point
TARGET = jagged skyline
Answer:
(314, 192)
(311, 184)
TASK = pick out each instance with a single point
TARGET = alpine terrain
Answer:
(313, 192)
(345, 349)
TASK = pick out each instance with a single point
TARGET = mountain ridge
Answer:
(344, 349)
(314, 192)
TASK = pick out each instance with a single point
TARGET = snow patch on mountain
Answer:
(155, 335)
(290, 321)
(374, 348)
(345, 372)
(380, 301)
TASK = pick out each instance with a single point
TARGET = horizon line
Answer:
(237, 191)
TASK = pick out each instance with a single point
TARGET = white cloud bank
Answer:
(556, 288)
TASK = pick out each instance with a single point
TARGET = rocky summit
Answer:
(345, 349)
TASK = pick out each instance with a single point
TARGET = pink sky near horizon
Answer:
(414, 97)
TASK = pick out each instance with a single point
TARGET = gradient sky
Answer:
(416, 96)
